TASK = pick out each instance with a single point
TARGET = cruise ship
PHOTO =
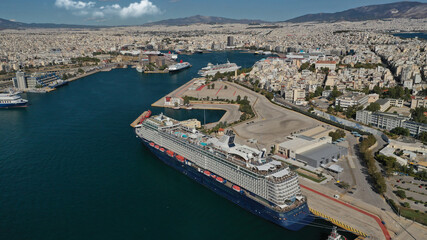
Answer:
(12, 100)
(179, 66)
(221, 68)
(241, 174)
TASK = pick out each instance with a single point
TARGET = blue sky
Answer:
(133, 12)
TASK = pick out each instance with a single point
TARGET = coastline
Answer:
(231, 114)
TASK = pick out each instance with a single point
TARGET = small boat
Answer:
(207, 173)
(213, 176)
(220, 179)
(180, 158)
(335, 235)
(162, 150)
(157, 147)
(170, 153)
(237, 188)
(152, 144)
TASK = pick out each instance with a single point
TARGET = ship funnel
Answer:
(264, 153)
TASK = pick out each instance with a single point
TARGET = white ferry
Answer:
(12, 100)
(221, 68)
(179, 66)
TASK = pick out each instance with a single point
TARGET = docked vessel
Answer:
(179, 66)
(221, 68)
(170, 55)
(243, 175)
(139, 68)
(335, 235)
(58, 83)
(12, 100)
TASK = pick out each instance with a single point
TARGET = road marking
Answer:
(376, 218)
(350, 161)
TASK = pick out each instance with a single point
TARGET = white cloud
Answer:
(74, 5)
(138, 9)
(134, 10)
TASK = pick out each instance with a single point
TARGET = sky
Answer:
(136, 12)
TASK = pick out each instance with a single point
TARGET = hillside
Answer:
(198, 19)
(372, 12)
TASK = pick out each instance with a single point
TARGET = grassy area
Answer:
(311, 178)
(315, 179)
(414, 215)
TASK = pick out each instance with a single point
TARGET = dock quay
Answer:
(351, 214)
(158, 71)
(134, 123)
(361, 234)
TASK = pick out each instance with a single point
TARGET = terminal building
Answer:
(311, 151)
(24, 81)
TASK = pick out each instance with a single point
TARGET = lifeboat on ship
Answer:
(152, 144)
(162, 150)
(213, 176)
(170, 153)
(237, 188)
(157, 147)
(220, 179)
(207, 173)
(180, 158)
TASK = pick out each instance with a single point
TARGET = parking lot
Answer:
(414, 189)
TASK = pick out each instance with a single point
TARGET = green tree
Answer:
(238, 98)
(81, 71)
(373, 107)
(225, 87)
(351, 111)
(400, 131)
(335, 93)
(337, 134)
(418, 114)
(344, 185)
(186, 100)
(213, 85)
(377, 89)
(269, 95)
(400, 193)
(423, 136)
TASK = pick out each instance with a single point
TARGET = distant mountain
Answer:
(372, 12)
(198, 19)
(7, 24)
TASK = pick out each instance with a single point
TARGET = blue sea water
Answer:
(72, 168)
(420, 35)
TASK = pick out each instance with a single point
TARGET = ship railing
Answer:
(282, 179)
(232, 159)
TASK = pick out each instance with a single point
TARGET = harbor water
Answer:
(72, 168)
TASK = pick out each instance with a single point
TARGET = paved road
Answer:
(365, 190)
(273, 123)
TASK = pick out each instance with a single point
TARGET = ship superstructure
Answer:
(211, 69)
(244, 175)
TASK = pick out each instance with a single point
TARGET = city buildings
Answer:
(355, 98)
(389, 121)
